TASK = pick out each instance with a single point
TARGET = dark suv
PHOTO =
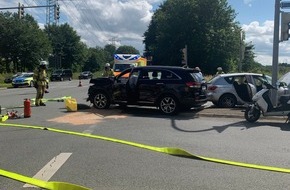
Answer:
(61, 75)
(170, 89)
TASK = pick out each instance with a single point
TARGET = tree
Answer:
(22, 43)
(127, 50)
(96, 59)
(68, 50)
(249, 64)
(111, 49)
(206, 27)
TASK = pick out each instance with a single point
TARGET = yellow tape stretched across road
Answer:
(167, 150)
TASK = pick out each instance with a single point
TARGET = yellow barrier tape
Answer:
(167, 150)
(39, 183)
(53, 99)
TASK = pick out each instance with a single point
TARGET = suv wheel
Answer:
(168, 105)
(101, 100)
(227, 101)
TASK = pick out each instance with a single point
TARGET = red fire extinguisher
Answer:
(27, 108)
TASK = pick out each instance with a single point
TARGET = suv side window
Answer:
(158, 75)
(168, 75)
(154, 75)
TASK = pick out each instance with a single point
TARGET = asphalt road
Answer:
(100, 164)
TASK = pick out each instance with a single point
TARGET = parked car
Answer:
(26, 79)
(170, 89)
(86, 75)
(229, 90)
(10, 78)
(61, 75)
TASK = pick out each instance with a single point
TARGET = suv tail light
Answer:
(212, 88)
(193, 84)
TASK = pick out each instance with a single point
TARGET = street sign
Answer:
(285, 4)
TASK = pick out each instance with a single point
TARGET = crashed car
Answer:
(170, 89)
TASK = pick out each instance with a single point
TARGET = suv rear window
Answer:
(197, 76)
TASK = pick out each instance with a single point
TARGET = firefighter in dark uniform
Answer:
(40, 82)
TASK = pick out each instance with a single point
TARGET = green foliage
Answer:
(111, 49)
(67, 47)
(127, 50)
(22, 43)
(96, 59)
(207, 27)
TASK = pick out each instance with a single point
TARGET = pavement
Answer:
(236, 112)
(213, 111)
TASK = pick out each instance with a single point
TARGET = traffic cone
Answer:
(80, 83)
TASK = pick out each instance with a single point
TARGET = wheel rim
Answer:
(253, 114)
(168, 105)
(100, 100)
(228, 102)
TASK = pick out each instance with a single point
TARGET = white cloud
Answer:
(248, 2)
(124, 22)
(261, 36)
(99, 22)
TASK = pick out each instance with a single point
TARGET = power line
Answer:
(81, 23)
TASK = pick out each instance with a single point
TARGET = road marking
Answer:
(90, 130)
(50, 168)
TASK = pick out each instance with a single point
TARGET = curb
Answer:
(217, 113)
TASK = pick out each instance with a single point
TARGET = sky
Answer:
(123, 22)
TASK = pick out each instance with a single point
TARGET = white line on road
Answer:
(51, 168)
(90, 130)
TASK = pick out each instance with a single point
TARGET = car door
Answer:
(120, 86)
(243, 87)
(132, 86)
(150, 85)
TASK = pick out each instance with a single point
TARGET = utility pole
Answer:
(52, 8)
(113, 41)
(242, 49)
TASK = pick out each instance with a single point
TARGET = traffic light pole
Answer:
(21, 8)
(6, 8)
(275, 51)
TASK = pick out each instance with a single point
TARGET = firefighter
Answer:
(40, 82)
(219, 71)
(108, 71)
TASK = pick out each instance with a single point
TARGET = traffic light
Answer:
(184, 56)
(285, 21)
(21, 11)
(56, 12)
